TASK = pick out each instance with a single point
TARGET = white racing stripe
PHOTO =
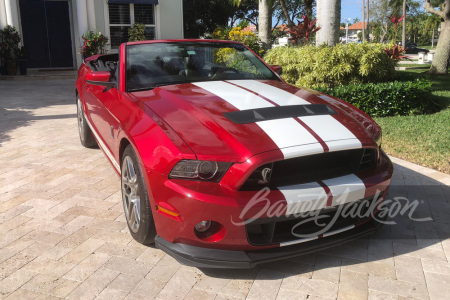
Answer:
(343, 144)
(312, 196)
(346, 189)
(239, 98)
(305, 197)
(331, 131)
(287, 133)
(290, 137)
(302, 150)
(279, 96)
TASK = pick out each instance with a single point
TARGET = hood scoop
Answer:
(278, 112)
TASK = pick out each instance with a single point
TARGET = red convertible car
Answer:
(222, 163)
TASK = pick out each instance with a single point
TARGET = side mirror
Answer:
(278, 69)
(100, 78)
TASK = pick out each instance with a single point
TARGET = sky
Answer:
(351, 9)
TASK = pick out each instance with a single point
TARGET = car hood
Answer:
(234, 120)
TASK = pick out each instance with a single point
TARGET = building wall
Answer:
(169, 19)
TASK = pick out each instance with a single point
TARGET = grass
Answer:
(422, 139)
(427, 47)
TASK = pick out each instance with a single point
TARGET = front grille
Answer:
(270, 231)
(311, 168)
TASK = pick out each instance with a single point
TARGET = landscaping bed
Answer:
(412, 107)
(422, 139)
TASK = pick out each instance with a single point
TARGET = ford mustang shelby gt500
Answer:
(222, 163)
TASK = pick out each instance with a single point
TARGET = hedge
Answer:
(386, 99)
(325, 66)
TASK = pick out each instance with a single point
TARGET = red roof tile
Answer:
(357, 26)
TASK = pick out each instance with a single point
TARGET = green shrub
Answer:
(9, 45)
(237, 34)
(136, 32)
(331, 66)
(386, 99)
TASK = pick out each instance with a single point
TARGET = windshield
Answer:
(157, 64)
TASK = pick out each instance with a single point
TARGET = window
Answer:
(165, 63)
(122, 16)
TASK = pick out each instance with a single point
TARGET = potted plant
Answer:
(22, 61)
(136, 32)
(93, 43)
(9, 49)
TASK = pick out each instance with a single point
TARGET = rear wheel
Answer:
(86, 137)
(136, 205)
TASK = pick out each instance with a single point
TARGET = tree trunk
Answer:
(368, 21)
(309, 8)
(328, 18)
(290, 24)
(442, 54)
(363, 21)
(383, 34)
(265, 23)
(404, 24)
(432, 40)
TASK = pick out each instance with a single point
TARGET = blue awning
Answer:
(134, 1)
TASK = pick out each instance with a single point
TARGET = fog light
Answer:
(203, 226)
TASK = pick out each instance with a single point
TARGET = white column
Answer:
(3, 20)
(91, 15)
(82, 18)
(12, 15)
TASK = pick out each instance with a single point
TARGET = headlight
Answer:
(199, 170)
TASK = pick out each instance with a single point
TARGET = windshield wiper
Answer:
(153, 86)
(145, 88)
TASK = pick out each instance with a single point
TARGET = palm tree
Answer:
(264, 20)
(328, 18)
(404, 24)
(442, 55)
(433, 21)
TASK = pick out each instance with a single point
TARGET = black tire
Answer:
(135, 199)
(86, 137)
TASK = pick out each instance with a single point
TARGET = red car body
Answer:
(188, 121)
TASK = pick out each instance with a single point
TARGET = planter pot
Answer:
(23, 63)
(11, 68)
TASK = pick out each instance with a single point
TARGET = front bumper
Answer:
(216, 258)
(198, 201)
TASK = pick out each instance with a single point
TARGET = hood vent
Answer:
(278, 112)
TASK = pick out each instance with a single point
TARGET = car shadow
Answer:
(20, 102)
(416, 232)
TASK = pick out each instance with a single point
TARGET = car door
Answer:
(98, 101)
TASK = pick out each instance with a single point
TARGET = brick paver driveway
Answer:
(62, 231)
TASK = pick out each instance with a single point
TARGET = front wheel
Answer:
(86, 137)
(136, 205)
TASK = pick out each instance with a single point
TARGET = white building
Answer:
(51, 30)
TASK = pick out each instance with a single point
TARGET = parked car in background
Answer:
(223, 164)
(411, 48)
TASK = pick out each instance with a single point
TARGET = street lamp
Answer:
(346, 29)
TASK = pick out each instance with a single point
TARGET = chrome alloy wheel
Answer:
(130, 194)
(80, 117)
